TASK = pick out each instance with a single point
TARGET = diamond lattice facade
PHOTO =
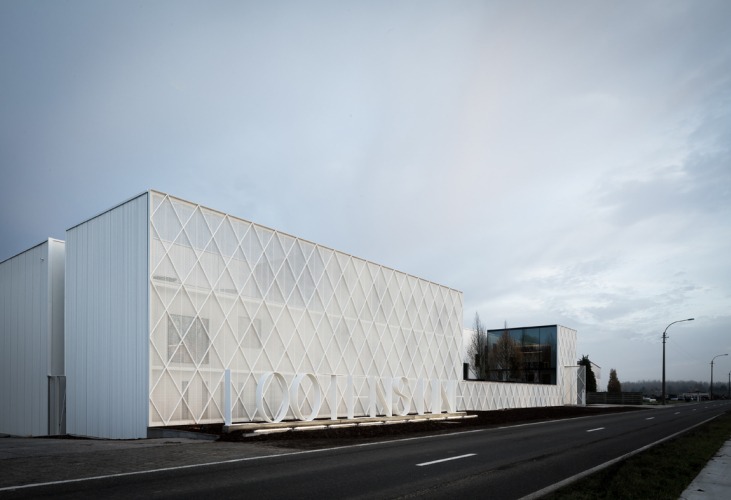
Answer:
(206, 293)
(228, 293)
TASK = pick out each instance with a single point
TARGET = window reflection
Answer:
(522, 355)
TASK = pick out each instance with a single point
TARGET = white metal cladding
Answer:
(485, 396)
(566, 357)
(107, 323)
(57, 277)
(226, 293)
(31, 332)
(581, 386)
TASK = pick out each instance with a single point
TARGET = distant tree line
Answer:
(654, 387)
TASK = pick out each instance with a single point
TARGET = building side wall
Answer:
(487, 396)
(230, 294)
(57, 277)
(597, 374)
(106, 320)
(24, 342)
(567, 358)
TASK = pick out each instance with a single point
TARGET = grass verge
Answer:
(663, 471)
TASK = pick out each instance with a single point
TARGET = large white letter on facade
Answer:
(349, 398)
(283, 406)
(333, 397)
(399, 384)
(419, 396)
(377, 395)
(294, 397)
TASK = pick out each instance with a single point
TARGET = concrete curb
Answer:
(714, 481)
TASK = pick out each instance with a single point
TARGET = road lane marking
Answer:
(677, 413)
(597, 429)
(550, 489)
(446, 459)
(649, 418)
(279, 455)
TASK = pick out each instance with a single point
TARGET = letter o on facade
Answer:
(283, 405)
(294, 397)
(399, 385)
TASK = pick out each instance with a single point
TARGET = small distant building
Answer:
(525, 366)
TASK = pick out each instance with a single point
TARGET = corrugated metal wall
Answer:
(106, 323)
(29, 336)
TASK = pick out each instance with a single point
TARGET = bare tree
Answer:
(477, 349)
(506, 358)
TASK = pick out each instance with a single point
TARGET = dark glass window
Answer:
(522, 355)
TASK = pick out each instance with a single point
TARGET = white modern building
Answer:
(32, 340)
(178, 314)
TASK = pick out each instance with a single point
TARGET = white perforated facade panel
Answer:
(228, 293)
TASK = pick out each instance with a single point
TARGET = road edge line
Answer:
(277, 455)
(550, 489)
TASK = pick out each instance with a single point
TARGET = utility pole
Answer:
(714, 358)
(664, 338)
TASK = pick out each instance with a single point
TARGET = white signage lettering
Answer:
(400, 384)
(386, 396)
(294, 397)
(260, 403)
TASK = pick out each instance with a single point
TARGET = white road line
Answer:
(649, 418)
(244, 459)
(597, 429)
(247, 459)
(550, 489)
(446, 459)
(677, 413)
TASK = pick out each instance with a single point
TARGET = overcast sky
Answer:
(558, 162)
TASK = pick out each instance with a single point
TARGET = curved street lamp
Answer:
(664, 338)
(714, 358)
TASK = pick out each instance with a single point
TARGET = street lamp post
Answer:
(664, 338)
(714, 358)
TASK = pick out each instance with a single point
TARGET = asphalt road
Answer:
(510, 462)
